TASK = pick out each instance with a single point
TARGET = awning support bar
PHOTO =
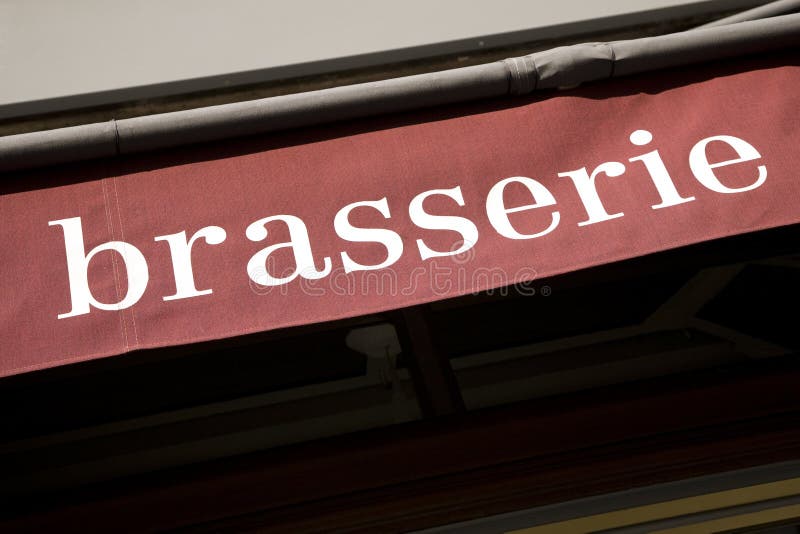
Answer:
(566, 66)
(772, 9)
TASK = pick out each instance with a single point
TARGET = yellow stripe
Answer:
(753, 519)
(670, 509)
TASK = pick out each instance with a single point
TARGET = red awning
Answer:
(244, 235)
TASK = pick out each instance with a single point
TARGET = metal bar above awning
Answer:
(560, 67)
(772, 9)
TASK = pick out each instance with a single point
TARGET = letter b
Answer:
(78, 268)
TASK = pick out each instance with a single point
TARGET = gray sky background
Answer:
(52, 48)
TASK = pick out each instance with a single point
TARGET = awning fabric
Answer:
(252, 234)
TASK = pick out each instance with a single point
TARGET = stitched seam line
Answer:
(114, 266)
(122, 238)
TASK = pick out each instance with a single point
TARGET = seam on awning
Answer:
(560, 67)
(116, 135)
(109, 209)
(522, 74)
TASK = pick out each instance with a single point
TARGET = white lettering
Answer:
(704, 171)
(78, 269)
(498, 213)
(181, 252)
(388, 238)
(658, 172)
(587, 189)
(423, 219)
(257, 268)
